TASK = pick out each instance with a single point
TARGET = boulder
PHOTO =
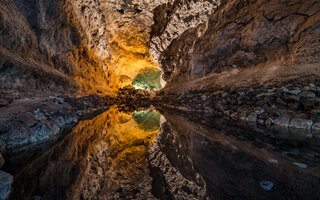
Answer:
(281, 124)
(316, 129)
(6, 181)
(300, 127)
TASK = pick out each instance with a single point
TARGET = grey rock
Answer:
(301, 165)
(266, 185)
(265, 94)
(6, 181)
(39, 115)
(282, 121)
(224, 95)
(259, 111)
(273, 161)
(294, 92)
(252, 117)
(307, 94)
(316, 129)
(300, 126)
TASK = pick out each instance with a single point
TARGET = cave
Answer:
(159, 99)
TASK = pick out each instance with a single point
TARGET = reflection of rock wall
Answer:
(103, 158)
(193, 161)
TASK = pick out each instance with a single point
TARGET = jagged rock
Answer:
(252, 117)
(6, 181)
(282, 123)
(299, 126)
(293, 92)
(316, 129)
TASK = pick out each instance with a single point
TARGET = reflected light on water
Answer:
(106, 156)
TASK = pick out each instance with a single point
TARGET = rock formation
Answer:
(252, 61)
(256, 61)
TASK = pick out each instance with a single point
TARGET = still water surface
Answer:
(148, 155)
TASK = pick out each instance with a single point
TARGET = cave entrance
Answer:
(147, 78)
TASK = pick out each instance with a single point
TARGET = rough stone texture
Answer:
(33, 121)
(6, 181)
(42, 52)
(248, 55)
(242, 34)
(274, 106)
(171, 20)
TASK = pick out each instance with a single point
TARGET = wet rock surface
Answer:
(102, 158)
(135, 97)
(33, 121)
(289, 107)
(6, 181)
(123, 155)
(197, 157)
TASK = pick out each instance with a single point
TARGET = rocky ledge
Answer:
(292, 108)
(33, 121)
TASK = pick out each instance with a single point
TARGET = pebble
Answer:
(266, 185)
(312, 85)
(273, 161)
(301, 165)
(204, 142)
(308, 94)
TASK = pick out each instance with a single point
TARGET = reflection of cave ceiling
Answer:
(147, 78)
(147, 120)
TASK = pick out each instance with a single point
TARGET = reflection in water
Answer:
(119, 155)
(103, 158)
(202, 159)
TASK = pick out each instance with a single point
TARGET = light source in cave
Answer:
(148, 78)
(130, 57)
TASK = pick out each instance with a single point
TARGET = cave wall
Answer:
(32, 51)
(240, 34)
(43, 52)
(72, 47)
(87, 47)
